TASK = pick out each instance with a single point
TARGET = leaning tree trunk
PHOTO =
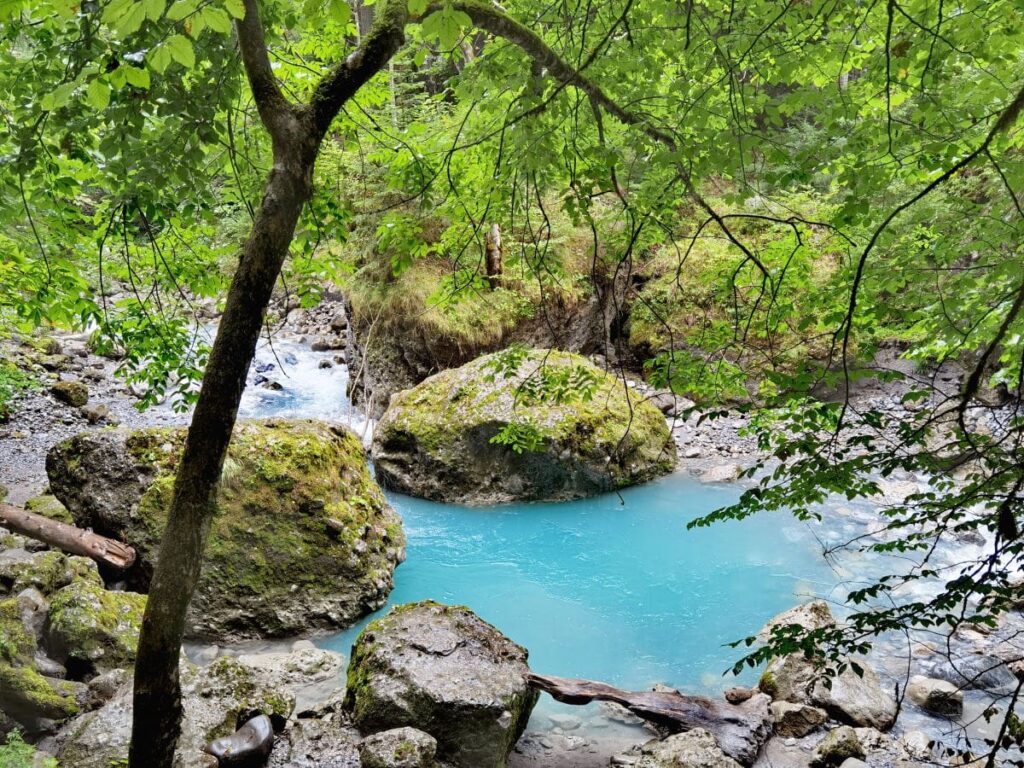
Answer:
(157, 690)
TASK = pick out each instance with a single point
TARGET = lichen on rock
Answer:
(302, 538)
(453, 436)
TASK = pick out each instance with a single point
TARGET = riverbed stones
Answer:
(442, 670)
(936, 696)
(507, 428)
(398, 748)
(303, 538)
(692, 749)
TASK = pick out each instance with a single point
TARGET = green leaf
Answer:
(236, 8)
(58, 97)
(159, 58)
(98, 95)
(217, 20)
(131, 20)
(181, 50)
(137, 76)
(417, 7)
(181, 8)
(154, 8)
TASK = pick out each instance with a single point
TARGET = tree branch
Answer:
(270, 101)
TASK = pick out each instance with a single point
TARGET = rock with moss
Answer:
(48, 505)
(47, 571)
(26, 695)
(520, 425)
(93, 630)
(216, 701)
(303, 538)
(442, 670)
(398, 748)
(71, 392)
(837, 747)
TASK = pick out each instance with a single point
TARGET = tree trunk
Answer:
(157, 708)
(76, 541)
(493, 255)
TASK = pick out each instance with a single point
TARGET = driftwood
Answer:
(76, 541)
(740, 730)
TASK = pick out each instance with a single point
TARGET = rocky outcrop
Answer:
(444, 671)
(492, 431)
(216, 700)
(692, 749)
(303, 538)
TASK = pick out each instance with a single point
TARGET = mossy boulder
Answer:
(442, 670)
(47, 505)
(91, 629)
(302, 539)
(27, 696)
(551, 426)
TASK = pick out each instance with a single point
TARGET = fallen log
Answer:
(70, 539)
(740, 730)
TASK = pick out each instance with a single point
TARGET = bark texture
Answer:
(75, 541)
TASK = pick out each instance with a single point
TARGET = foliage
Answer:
(13, 382)
(15, 753)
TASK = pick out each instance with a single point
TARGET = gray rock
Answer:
(796, 720)
(398, 748)
(939, 697)
(445, 671)
(720, 473)
(739, 694)
(248, 747)
(837, 747)
(692, 749)
(975, 671)
(95, 412)
(813, 615)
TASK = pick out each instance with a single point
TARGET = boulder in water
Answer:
(496, 431)
(303, 538)
(442, 670)
(939, 697)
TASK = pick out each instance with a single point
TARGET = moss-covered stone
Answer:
(302, 537)
(46, 571)
(47, 505)
(92, 629)
(26, 695)
(443, 439)
(71, 392)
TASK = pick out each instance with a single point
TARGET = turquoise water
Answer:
(609, 588)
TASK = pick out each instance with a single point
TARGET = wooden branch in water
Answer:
(740, 730)
(76, 541)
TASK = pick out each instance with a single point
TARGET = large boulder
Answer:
(487, 432)
(216, 700)
(444, 671)
(939, 697)
(692, 749)
(303, 538)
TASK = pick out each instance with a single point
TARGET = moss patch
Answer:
(93, 628)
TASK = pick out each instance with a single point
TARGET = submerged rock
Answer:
(216, 701)
(692, 749)
(303, 538)
(444, 671)
(483, 433)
